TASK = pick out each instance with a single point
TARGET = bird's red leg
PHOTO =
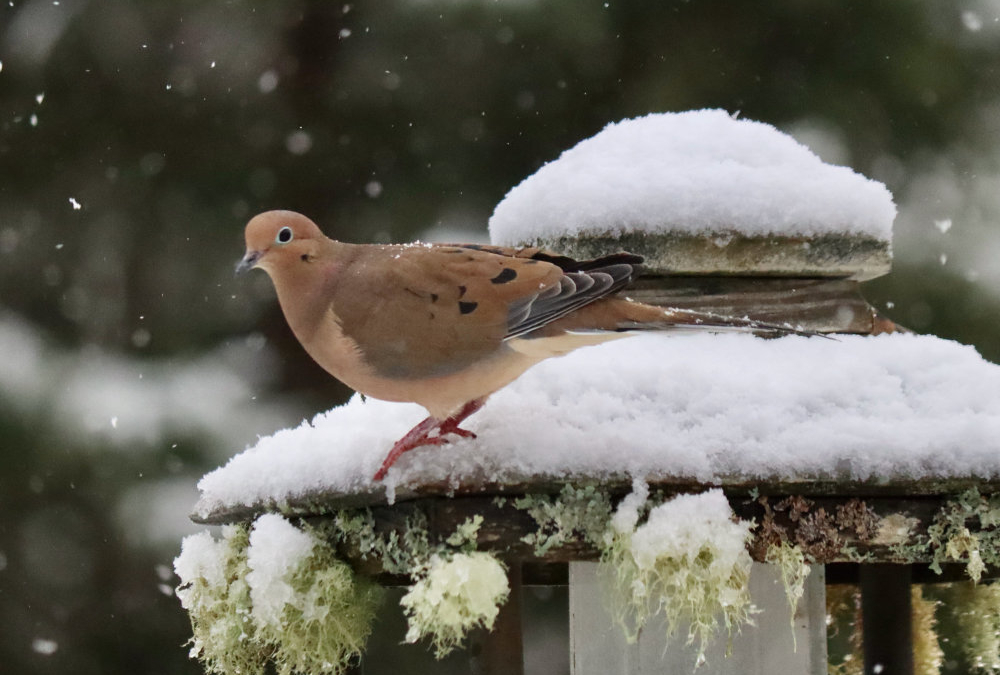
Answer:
(420, 435)
(450, 425)
(414, 438)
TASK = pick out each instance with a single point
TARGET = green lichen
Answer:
(455, 588)
(327, 621)
(791, 563)
(322, 627)
(577, 513)
(695, 571)
(464, 536)
(224, 636)
(400, 554)
(454, 596)
(949, 538)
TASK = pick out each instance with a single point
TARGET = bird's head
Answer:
(277, 240)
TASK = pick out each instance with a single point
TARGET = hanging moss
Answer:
(324, 627)
(455, 588)
(791, 564)
(322, 620)
(214, 591)
(688, 561)
(693, 587)
(454, 596)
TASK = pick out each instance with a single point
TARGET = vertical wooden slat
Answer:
(501, 651)
(886, 616)
(599, 647)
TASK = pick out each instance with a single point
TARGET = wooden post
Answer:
(886, 616)
(774, 645)
(501, 651)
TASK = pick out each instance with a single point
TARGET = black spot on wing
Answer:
(461, 291)
(467, 307)
(506, 274)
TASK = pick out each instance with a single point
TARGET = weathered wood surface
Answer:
(828, 529)
(852, 256)
(326, 502)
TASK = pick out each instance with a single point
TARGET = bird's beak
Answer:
(248, 262)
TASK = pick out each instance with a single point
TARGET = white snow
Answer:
(276, 549)
(943, 225)
(44, 647)
(694, 172)
(702, 407)
(685, 525)
(627, 514)
(201, 557)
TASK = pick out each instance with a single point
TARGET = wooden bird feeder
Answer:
(663, 184)
(874, 532)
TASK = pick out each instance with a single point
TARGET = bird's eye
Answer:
(284, 235)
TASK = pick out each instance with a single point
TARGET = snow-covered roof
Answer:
(697, 172)
(711, 408)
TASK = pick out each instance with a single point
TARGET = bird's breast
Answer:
(441, 392)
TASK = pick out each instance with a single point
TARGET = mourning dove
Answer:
(443, 325)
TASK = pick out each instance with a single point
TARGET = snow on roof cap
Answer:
(697, 172)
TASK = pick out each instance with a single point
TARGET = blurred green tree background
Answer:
(136, 139)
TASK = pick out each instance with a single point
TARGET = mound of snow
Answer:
(705, 407)
(694, 172)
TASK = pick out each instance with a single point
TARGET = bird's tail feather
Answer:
(621, 315)
(686, 319)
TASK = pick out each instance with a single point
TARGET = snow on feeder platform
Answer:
(651, 454)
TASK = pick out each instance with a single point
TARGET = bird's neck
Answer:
(304, 290)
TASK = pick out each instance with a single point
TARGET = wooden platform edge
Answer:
(900, 525)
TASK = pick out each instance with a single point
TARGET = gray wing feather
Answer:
(574, 290)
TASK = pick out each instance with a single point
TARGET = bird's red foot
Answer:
(450, 426)
(420, 435)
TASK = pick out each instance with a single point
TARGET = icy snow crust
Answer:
(703, 407)
(694, 172)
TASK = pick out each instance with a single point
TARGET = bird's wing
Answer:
(421, 311)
